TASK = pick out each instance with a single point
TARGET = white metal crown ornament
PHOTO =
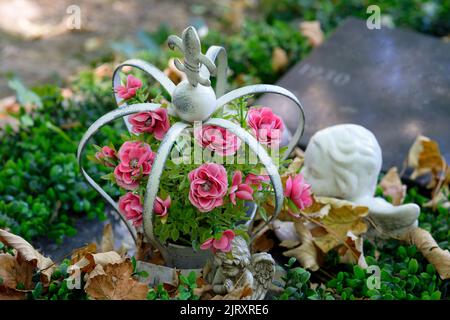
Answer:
(192, 100)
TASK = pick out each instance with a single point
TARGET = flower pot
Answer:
(184, 257)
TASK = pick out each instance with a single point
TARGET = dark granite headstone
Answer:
(394, 82)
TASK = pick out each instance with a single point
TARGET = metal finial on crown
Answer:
(189, 44)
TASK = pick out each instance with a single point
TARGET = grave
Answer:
(395, 82)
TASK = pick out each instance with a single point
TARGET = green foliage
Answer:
(250, 50)
(298, 286)
(430, 16)
(40, 185)
(405, 273)
(57, 288)
(185, 290)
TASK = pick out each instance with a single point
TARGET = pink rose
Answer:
(208, 186)
(131, 207)
(107, 156)
(267, 127)
(298, 191)
(156, 122)
(256, 180)
(161, 207)
(217, 139)
(240, 190)
(136, 159)
(129, 90)
(223, 244)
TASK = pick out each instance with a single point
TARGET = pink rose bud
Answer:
(239, 190)
(136, 159)
(129, 90)
(209, 185)
(223, 244)
(217, 139)
(161, 207)
(298, 191)
(266, 126)
(256, 180)
(107, 156)
(156, 122)
(131, 207)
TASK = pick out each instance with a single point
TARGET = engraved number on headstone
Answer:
(333, 76)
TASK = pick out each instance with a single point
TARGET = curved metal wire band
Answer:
(154, 181)
(148, 68)
(102, 121)
(263, 157)
(219, 54)
(267, 88)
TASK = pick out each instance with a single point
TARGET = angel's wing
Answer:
(263, 269)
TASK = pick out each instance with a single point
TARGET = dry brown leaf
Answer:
(263, 242)
(392, 186)
(173, 73)
(10, 294)
(289, 243)
(108, 238)
(425, 157)
(27, 253)
(337, 217)
(90, 260)
(13, 272)
(80, 253)
(116, 283)
(295, 166)
(280, 59)
(143, 249)
(352, 252)
(307, 254)
(313, 32)
(441, 199)
(426, 244)
(98, 270)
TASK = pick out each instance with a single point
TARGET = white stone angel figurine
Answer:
(239, 269)
(344, 161)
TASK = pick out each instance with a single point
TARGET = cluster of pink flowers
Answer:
(217, 139)
(299, 192)
(107, 156)
(130, 205)
(223, 244)
(266, 126)
(135, 161)
(129, 90)
(209, 185)
(155, 122)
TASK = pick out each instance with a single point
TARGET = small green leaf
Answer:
(413, 266)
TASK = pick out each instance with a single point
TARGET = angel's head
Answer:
(233, 262)
(343, 161)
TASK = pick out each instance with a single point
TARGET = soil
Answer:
(37, 45)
